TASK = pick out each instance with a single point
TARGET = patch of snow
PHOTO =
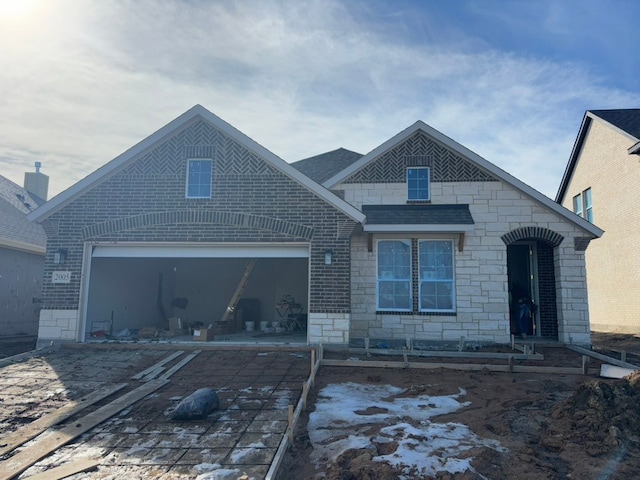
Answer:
(344, 413)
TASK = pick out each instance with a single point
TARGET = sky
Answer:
(81, 81)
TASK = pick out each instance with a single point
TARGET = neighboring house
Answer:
(418, 239)
(601, 184)
(22, 249)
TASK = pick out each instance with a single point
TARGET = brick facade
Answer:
(145, 202)
(613, 263)
(254, 202)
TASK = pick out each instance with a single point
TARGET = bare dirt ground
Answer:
(554, 426)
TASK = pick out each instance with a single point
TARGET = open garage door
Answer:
(134, 288)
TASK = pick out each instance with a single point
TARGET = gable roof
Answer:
(471, 157)
(624, 121)
(183, 121)
(16, 232)
(324, 166)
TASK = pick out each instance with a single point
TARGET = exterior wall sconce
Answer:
(328, 257)
(60, 256)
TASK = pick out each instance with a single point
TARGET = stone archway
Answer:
(530, 266)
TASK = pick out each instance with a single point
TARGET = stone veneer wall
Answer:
(480, 269)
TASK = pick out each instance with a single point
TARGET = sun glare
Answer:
(16, 9)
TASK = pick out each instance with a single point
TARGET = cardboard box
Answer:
(176, 325)
(203, 335)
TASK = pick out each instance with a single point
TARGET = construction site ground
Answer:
(551, 425)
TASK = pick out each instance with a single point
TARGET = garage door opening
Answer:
(140, 296)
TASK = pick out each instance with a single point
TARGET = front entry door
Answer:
(523, 287)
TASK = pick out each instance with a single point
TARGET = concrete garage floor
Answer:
(255, 388)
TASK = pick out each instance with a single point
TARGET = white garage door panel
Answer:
(239, 251)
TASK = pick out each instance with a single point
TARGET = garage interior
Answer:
(133, 296)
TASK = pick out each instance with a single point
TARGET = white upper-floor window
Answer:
(583, 205)
(418, 188)
(199, 176)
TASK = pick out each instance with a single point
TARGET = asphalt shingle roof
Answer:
(627, 119)
(458, 214)
(15, 204)
(324, 166)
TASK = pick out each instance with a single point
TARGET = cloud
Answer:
(89, 79)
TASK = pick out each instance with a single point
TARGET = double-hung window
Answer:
(394, 275)
(437, 292)
(199, 175)
(418, 184)
(583, 205)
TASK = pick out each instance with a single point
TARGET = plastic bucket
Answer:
(264, 326)
(249, 326)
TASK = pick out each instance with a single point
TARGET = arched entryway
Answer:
(532, 281)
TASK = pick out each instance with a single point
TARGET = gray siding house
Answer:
(419, 239)
(22, 249)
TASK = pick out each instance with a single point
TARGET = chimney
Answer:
(37, 183)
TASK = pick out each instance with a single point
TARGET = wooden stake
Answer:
(461, 344)
(510, 363)
(305, 391)
(623, 356)
(513, 342)
(585, 363)
(290, 429)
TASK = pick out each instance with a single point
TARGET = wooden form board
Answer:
(604, 358)
(442, 354)
(22, 460)
(458, 366)
(13, 440)
(294, 416)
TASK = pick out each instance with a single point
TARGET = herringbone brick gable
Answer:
(420, 150)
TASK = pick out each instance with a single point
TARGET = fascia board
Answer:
(573, 158)
(22, 247)
(180, 123)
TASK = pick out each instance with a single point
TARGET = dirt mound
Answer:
(600, 414)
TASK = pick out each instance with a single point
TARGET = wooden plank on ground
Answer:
(604, 358)
(180, 364)
(41, 448)
(13, 440)
(64, 471)
(155, 366)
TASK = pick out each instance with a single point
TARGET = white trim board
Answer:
(210, 251)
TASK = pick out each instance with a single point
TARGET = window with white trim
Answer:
(394, 275)
(199, 176)
(436, 276)
(418, 184)
(583, 205)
